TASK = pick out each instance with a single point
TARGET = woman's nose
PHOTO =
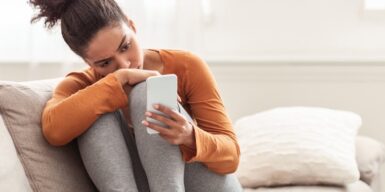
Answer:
(123, 63)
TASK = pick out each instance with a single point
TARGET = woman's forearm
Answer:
(133, 76)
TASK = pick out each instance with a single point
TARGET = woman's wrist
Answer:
(133, 76)
(190, 141)
(121, 76)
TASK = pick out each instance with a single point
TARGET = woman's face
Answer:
(112, 48)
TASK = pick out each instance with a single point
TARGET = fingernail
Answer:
(144, 122)
(156, 106)
(148, 114)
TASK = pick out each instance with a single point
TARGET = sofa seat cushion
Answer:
(370, 155)
(358, 186)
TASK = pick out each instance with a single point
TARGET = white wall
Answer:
(287, 30)
(284, 30)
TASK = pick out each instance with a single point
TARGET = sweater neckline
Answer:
(166, 60)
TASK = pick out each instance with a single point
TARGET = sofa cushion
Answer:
(12, 176)
(47, 168)
(370, 154)
(298, 145)
(358, 186)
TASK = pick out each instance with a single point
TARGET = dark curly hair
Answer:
(80, 20)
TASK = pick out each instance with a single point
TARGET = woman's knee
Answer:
(137, 103)
(138, 94)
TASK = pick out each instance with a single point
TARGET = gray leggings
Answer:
(118, 160)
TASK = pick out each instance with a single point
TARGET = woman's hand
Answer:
(179, 132)
(128, 78)
(134, 76)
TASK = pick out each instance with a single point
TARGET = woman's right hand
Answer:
(128, 78)
(134, 76)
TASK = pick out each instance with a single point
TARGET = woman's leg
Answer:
(198, 178)
(162, 161)
(105, 155)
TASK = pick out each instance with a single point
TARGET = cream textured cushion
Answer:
(298, 145)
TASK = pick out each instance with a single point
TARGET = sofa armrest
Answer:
(370, 154)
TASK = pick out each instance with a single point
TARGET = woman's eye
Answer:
(126, 46)
(105, 63)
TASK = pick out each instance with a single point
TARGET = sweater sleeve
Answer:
(216, 142)
(76, 103)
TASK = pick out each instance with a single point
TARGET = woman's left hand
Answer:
(179, 132)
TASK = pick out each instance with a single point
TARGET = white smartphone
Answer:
(161, 90)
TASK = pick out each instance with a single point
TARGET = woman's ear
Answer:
(131, 24)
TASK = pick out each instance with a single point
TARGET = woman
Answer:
(104, 107)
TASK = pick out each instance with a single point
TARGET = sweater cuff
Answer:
(110, 85)
(189, 154)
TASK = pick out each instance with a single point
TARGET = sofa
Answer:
(29, 163)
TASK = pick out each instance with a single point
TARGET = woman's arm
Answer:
(133, 76)
(216, 144)
(78, 101)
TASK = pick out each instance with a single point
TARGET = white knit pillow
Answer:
(298, 145)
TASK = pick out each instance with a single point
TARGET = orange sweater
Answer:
(83, 96)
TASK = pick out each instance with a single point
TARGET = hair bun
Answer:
(52, 10)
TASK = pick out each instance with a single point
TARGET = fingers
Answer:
(172, 113)
(179, 130)
(161, 118)
(172, 136)
(162, 130)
